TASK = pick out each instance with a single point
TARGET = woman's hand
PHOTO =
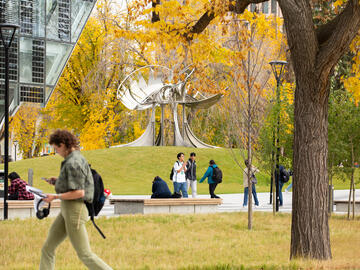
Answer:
(49, 198)
(52, 180)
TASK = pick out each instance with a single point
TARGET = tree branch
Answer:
(324, 31)
(155, 16)
(345, 27)
(209, 15)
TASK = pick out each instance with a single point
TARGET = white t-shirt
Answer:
(179, 177)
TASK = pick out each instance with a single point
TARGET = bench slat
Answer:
(183, 201)
(344, 201)
(19, 204)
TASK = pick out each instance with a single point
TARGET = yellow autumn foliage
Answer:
(26, 128)
(352, 82)
(115, 43)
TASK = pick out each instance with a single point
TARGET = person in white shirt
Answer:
(179, 177)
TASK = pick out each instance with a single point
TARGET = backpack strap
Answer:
(93, 221)
(175, 172)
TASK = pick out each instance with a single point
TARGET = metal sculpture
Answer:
(151, 86)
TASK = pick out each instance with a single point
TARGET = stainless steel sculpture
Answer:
(152, 86)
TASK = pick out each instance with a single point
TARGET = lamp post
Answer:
(7, 33)
(15, 145)
(278, 69)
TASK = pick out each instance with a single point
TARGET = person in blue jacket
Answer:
(208, 174)
(160, 189)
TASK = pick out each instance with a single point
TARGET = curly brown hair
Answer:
(65, 137)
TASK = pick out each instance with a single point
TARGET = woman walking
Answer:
(73, 186)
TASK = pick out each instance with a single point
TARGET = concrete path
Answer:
(233, 202)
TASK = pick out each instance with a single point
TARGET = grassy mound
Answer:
(130, 170)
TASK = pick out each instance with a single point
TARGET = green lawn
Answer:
(189, 242)
(130, 170)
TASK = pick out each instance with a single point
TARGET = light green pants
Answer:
(70, 222)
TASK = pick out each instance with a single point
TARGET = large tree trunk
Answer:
(314, 54)
(310, 229)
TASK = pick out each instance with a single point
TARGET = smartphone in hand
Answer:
(50, 181)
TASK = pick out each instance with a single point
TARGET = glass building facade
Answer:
(49, 30)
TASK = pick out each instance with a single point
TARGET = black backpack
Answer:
(172, 172)
(98, 201)
(217, 175)
(284, 176)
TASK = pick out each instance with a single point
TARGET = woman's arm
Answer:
(12, 188)
(207, 174)
(70, 195)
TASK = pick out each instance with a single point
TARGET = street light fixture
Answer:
(277, 67)
(16, 143)
(7, 33)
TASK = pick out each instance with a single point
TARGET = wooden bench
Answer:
(25, 208)
(156, 206)
(342, 206)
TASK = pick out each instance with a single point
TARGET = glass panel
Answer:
(80, 11)
(265, 7)
(38, 61)
(25, 59)
(32, 17)
(56, 57)
(48, 92)
(32, 94)
(252, 7)
(32, 60)
(58, 19)
(9, 11)
(12, 86)
(13, 60)
(273, 6)
(64, 20)
(2, 11)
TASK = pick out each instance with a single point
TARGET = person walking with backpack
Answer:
(179, 177)
(209, 175)
(74, 185)
(283, 178)
(191, 174)
(253, 183)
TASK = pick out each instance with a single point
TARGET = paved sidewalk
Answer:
(233, 202)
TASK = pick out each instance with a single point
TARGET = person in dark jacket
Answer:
(280, 183)
(160, 189)
(191, 174)
(212, 183)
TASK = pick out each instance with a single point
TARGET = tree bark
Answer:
(350, 191)
(353, 182)
(310, 229)
(314, 53)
